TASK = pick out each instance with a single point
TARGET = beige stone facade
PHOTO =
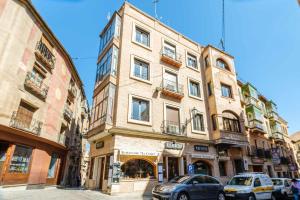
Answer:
(164, 105)
(42, 106)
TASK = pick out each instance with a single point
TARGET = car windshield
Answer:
(244, 181)
(179, 179)
(277, 182)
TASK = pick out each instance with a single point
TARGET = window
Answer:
(195, 89)
(24, 115)
(113, 30)
(170, 81)
(141, 69)
(222, 168)
(172, 122)
(206, 61)
(257, 182)
(230, 122)
(197, 180)
(198, 122)
(169, 50)
(102, 111)
(140, 109)
(52, 166)
(209, 88)
(222, 64)
(20, 160)
(210, 180)
(107, 64)
(226, 90)
(192, 61)
(136, 169)
(142, 37)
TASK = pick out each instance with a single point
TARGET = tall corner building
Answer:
(163, 106)
(43, 108)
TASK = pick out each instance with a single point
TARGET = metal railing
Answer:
(37, 86)
(21, 121)
(72, 90)
(172, 86)
(46, 54)
(253, 101)
(68, 113)
(174, 128)
(273, 115)
(171, 54)
(254, 124)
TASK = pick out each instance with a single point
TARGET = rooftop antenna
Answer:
(155, 5)
(222, 41)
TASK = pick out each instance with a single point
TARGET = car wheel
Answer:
(251, 197)
(182, 196)
(221, 196)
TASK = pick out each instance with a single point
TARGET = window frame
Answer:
(200, 90)
(226, 65)
(170, 43)
(192, 122)
(133, 58)
(130, 120)
(172, 106)
(171, 71)
(187, 54)
(133, 39)
(230, 90)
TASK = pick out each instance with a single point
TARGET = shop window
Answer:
(201, 167)
(222, 168)
(52, 166)
(20, 161)
(136, 169)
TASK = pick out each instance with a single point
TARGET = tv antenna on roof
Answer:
(155, 5)
(222, 41)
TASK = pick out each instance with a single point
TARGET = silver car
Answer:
(190, 188)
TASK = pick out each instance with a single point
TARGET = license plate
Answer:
(229, 195)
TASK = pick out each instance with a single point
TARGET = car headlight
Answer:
(243, 191)
(167, 189)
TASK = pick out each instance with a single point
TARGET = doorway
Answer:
(201, 167)
(99, 167)
(3, 155)
(239, 166)
(173, 167)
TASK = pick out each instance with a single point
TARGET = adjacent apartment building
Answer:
(164, 105)
(43, 108)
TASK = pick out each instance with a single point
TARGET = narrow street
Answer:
(65, 194)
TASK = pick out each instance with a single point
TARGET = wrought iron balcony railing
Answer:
(45, 54)
(68, 113)
(172, 89)
(257, 126)
(72, 91)
(23, 122)
(174, 128)
(36, 86)
(171, 57)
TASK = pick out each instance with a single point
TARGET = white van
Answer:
(250, 186)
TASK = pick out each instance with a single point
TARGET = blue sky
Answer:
(262, 35)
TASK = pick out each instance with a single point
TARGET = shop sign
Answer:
(204, 156)
(173, 145)
(277, 168)
(100, 145)
(202, 148)
(139, 153)
(276, 156)
(258, 161)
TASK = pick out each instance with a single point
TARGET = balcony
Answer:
(36, 86)
(278, 137)
(171, 58)
(257, 127)
(23, 122)
(273, 116)
(68, 113)
(252, 101)
(172, 89)
(45, 55)
(174, 128)
(72, 91)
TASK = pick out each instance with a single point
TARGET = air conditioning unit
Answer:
(174, 129)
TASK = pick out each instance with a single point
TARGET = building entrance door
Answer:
(99, 162)
(257, 168)
(3, 155)
(239, 166)
(173, 167)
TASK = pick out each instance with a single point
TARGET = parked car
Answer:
(282, 187)
(190, 188)
(250, 186)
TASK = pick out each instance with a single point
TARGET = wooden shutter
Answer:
(24, 114)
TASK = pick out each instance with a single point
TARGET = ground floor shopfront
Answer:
(122, 164)
(27, 159)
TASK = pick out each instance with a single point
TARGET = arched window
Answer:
(201, 167)
(231, 122)
(137, 168)
(222, 64)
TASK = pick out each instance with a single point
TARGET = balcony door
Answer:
(169, 50)
(172, 120)
(170, 81)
